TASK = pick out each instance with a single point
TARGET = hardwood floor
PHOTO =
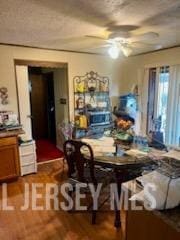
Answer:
(45, 225)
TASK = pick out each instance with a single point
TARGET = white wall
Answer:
(61, 110)
(61, 91)
(78, 64)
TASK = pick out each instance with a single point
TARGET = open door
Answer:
(23, 99)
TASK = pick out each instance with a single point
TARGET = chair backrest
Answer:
(76, 160)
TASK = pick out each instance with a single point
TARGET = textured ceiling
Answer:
(63, 24)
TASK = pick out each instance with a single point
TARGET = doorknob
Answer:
(52, 109)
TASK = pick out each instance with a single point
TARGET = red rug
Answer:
(46, 150)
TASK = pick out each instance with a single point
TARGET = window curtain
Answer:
(138, 127)
(173, 109)
(143, 99)
(151, 99)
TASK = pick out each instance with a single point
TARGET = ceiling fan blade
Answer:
(82, 40)
(65, 41)
(143, 45)
(145, 36)
(101, 38)
(122, 28)
(97, 47)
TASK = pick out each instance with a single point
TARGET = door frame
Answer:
(45, 64)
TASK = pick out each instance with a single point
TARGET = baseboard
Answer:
(58, 147)
(53, 160)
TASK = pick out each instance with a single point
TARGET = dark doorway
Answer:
(42, 104)
(42, 99)
(51, 120)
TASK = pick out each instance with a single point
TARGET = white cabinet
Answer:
(28, 163)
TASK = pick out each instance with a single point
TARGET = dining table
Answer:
(124, 168)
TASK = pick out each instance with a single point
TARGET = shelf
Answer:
(111, 124)
(107, 92)
(91, 110)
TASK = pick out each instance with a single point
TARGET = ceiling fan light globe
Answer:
(126, 51)
(113, 52)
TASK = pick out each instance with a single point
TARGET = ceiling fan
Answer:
(121, 38)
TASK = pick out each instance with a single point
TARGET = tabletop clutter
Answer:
(102, 146)
(9, 121)
(166, 180)
(166, 177)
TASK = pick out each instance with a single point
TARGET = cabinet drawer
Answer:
(28, 159)
(32, 168)
(27, 149)
(8, 141)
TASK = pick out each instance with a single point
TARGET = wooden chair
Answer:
(81, 169)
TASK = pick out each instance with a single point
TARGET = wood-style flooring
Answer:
(46, 225)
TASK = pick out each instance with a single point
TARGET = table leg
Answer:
(119, 180)
(117, 222)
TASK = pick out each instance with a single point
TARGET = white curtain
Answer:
(173, 110)
(143, 99)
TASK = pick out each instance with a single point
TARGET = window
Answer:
(158, 100)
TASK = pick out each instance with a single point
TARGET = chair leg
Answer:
(94, 212)
(120, 178)
(94, 216)
(117, 221)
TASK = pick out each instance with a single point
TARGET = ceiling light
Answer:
(126, 51)
(114, 52)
